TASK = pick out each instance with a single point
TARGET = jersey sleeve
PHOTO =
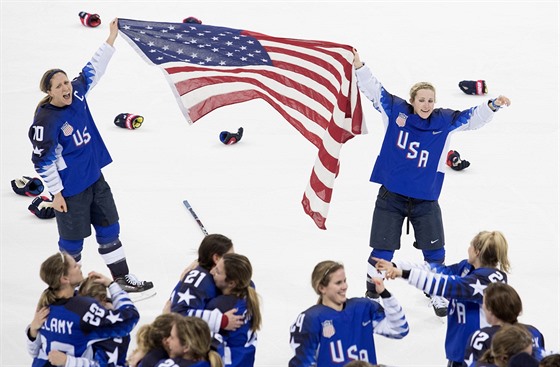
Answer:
(96, 67)
(72, 361)
(304, 340)
(212, 317)
(468, 288)
(117, 322)
(394, 324)
(43, 135)
(469, 119)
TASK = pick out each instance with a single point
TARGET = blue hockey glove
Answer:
(41, 206)
(28, 186)
(229, 138)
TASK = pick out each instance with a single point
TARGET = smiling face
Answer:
(334, 293)
(423, 102)
(61, 90)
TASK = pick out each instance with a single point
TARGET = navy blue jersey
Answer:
(464, 286)
(193, 292)
(481, 340)
(75, 324)
(414, 150)
(68, 151)
(112, 352)
(180, 362)
(153, 357)
(323, 336)
(239, 346)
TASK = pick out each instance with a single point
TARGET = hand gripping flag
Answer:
(310, 83)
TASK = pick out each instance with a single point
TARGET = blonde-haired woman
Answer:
(462, 283)
(411, 167)
(71, 323)
(189, 345)
(337, 329)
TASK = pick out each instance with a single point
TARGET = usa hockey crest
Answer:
(401, 120)
(328, 329)
(67, 129)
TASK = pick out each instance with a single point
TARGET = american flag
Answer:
(310, 83)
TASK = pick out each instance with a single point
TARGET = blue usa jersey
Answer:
(481, 340)
(463, 285)
(239, 346)
(413, 153)
(68, 151)
(322, 336)
(75, 324)
(193, 292)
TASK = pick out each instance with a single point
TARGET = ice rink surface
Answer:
(251, 191)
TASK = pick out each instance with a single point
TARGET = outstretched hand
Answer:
(391, 272)
(357, 62)
(113, 31)
(502, 101)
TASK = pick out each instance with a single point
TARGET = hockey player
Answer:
(189, 345)
(501, 305)
(68, 154)
(71, 323)
(232, 275)
(462, 283)
(510, 343)
(410, 167)
(337, 329)
(151, 341)
(196, 287)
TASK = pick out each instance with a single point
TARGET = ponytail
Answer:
(254, 309)
(215, 359)
(48, 297)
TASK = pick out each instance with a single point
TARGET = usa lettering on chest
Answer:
(413, 149)
(59, 326)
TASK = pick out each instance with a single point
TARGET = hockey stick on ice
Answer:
(190, 209)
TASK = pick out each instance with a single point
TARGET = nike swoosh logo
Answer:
(365, 323)
(432, 242)
(436, 132)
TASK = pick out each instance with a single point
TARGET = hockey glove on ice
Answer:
(474, 87)
(129, 121)
(454, 161)
(192, 20)
(28, 186)
(41, 206)
(229, 138)
(89, 20)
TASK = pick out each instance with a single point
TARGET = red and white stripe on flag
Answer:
(310, 83)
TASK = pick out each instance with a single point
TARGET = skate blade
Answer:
(140, 296)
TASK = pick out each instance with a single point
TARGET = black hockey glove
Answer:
(41, 206)
(229, 138)
(474, 87)
(28, 186)
(129, 121)
(89, 20)
(455, 162)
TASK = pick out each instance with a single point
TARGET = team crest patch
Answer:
(401, 120)
(67, 129)
(328, 329)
